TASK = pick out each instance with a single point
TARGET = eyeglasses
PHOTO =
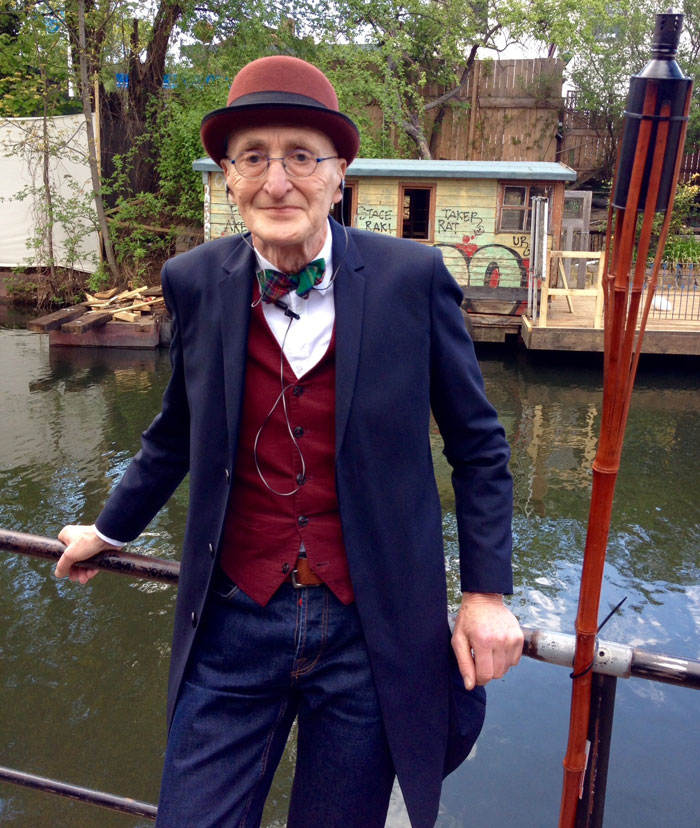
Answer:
(297, 164)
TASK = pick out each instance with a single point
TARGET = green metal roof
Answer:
(402, 168)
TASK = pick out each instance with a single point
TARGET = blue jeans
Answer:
(252, 671)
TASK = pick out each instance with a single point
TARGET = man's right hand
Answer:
(82, 542)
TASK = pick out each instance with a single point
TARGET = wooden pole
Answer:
(472, 108)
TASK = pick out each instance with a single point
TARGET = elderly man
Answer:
(306, 358)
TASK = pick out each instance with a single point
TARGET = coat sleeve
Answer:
(474, 444)
(163, 461)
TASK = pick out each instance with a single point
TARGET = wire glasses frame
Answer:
(297, 164)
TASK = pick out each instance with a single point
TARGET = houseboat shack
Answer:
(478, 212)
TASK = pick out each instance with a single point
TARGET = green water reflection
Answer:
(83, 676)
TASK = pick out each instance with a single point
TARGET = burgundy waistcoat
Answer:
(263, 531)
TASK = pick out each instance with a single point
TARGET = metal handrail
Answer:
(611, 658)
(86, 795)
(123, 563)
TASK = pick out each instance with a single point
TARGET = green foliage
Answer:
(33, 64)
(680, 249)
(685, 204)
(142, 236)
(99, 280)
(178, 144)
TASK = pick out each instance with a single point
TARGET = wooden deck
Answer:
(567, 331)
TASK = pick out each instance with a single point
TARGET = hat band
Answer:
(277, 99)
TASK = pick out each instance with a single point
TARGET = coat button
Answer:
(194, 619)
(211, 549)
(285, 568)
(228, 475)
(298, 431)
(302, 520)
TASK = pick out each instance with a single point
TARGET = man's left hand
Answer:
(487, 638)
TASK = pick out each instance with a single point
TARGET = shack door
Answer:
(574, 232)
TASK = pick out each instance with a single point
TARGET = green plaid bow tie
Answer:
(274, 285)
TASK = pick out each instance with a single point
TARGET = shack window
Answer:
(516, 205)
(417, 204)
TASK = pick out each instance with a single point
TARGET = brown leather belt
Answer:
(302, 576)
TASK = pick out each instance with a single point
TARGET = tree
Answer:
(411, 48)
(605, 43)
(92, 147)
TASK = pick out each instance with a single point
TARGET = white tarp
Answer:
(22, 169)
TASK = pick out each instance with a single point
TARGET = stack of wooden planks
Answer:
(101, 308)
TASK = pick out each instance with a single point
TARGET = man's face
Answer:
(286, 215)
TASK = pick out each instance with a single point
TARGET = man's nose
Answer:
(277, 180)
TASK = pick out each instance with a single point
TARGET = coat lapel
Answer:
(235, 294)
(349, 313)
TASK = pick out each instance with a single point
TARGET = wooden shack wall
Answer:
(464, 224)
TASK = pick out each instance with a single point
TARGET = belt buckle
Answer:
(296, 583)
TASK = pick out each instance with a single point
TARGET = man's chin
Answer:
(282, 234)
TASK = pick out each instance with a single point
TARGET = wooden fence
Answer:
(587, 143)
(690, 166)
(513, 112)
(510, 112)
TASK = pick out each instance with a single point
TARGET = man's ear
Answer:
(225, 169)
(342, 166)
(230, 197)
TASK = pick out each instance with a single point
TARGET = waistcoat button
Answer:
(302, 520)
(298, 431)
(285, 568)
(298, 390)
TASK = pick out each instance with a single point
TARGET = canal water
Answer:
(83, 670)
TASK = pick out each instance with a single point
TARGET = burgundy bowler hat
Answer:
(280, 90)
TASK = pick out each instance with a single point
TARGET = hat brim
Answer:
(218, 125)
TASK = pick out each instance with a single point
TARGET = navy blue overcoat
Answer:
(401, 350)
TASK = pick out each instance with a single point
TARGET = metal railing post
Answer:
(592, 804)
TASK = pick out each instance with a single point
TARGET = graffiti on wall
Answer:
(493, 264)
(376, 219)
(234, 225)
(451, 220)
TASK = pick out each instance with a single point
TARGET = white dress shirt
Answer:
(306, 339)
